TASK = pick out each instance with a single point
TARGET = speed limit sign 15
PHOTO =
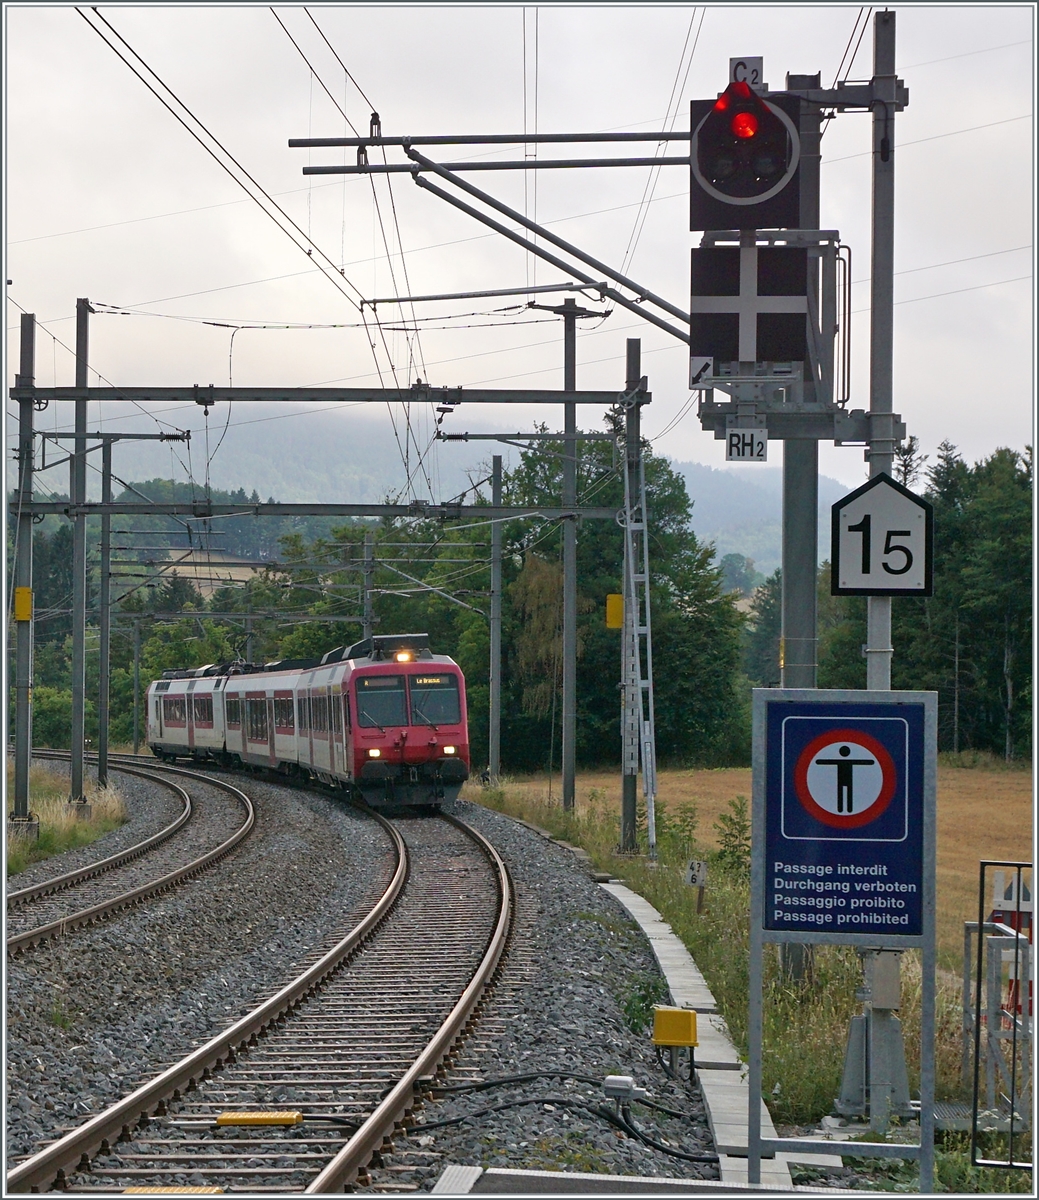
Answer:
(882, 542)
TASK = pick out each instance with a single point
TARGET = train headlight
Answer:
(375, 754)
(404, 656)
(449, 749)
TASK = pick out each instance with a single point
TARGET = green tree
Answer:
(971, 640)
(738, 574)
(761, 640)
(699, 703)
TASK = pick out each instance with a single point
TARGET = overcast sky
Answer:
(107, 196)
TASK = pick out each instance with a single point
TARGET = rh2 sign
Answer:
(844, 815)
(746, 445)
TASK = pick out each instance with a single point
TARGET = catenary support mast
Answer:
(494, 732)
(23, 598)
(78, 493)
(569, 762)
(104, 616)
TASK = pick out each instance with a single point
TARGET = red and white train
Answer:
(384, 717)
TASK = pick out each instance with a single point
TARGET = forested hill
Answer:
(740, 509)
(311, 455)
(970, 642)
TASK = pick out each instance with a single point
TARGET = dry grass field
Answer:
(982, 813)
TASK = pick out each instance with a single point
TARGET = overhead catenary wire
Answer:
(526, 346)
(222, 156)
(409, 432)
(863, 16)
(476, 237)
(671, 115)
(323, 262)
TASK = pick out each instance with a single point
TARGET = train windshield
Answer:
(434, 700)
(380, 701)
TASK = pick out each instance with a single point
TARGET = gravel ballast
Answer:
(149, 809)
(92, 1016)
(216, 816)
(577, 963)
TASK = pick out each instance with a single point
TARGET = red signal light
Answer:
(722, 103)
(744, 125)
(741, 88)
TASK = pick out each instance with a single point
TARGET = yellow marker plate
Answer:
(260, 1118)
(170, 1191)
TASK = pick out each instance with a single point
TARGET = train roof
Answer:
(378, 648)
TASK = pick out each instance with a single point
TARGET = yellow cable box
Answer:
(674, 1026)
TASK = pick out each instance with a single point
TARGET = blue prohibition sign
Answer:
(844, 818)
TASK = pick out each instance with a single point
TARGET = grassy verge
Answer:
(985, 760)
(953, 1171)
(60, 829)
(806, 1024)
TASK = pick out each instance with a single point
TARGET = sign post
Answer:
(843, 853)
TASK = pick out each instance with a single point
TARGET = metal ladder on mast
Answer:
(639, 729)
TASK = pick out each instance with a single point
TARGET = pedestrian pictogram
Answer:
(845, 778)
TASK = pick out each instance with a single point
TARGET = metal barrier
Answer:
(997, 1008)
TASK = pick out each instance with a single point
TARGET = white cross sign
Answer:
(882, 542)
(748, 304)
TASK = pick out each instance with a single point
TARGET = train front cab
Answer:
(408, 732)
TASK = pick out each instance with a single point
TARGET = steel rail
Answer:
(31, 937)
(343, 1170)
(58, 883)
(51, 1165)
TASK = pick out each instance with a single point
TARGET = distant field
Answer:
(982, 813)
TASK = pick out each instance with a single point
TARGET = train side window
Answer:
(257, 713)
(174, 710)
(304, 712)
(203, 706)
(346, 711)
(337, 716)
(232, 707)
(283, 714)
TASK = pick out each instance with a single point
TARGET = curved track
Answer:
(65, 902)
(346, 1049)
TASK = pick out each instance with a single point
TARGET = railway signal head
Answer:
(744, 158)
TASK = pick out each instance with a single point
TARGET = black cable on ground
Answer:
(670, 1071)
(671, 1112)
(630, 1127)
(333, 1119)
(600, 1111)
(486, 1084)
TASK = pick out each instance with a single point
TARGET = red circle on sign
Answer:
(834, 820)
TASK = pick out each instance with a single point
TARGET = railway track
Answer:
(331, 1064)
(92, 893)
